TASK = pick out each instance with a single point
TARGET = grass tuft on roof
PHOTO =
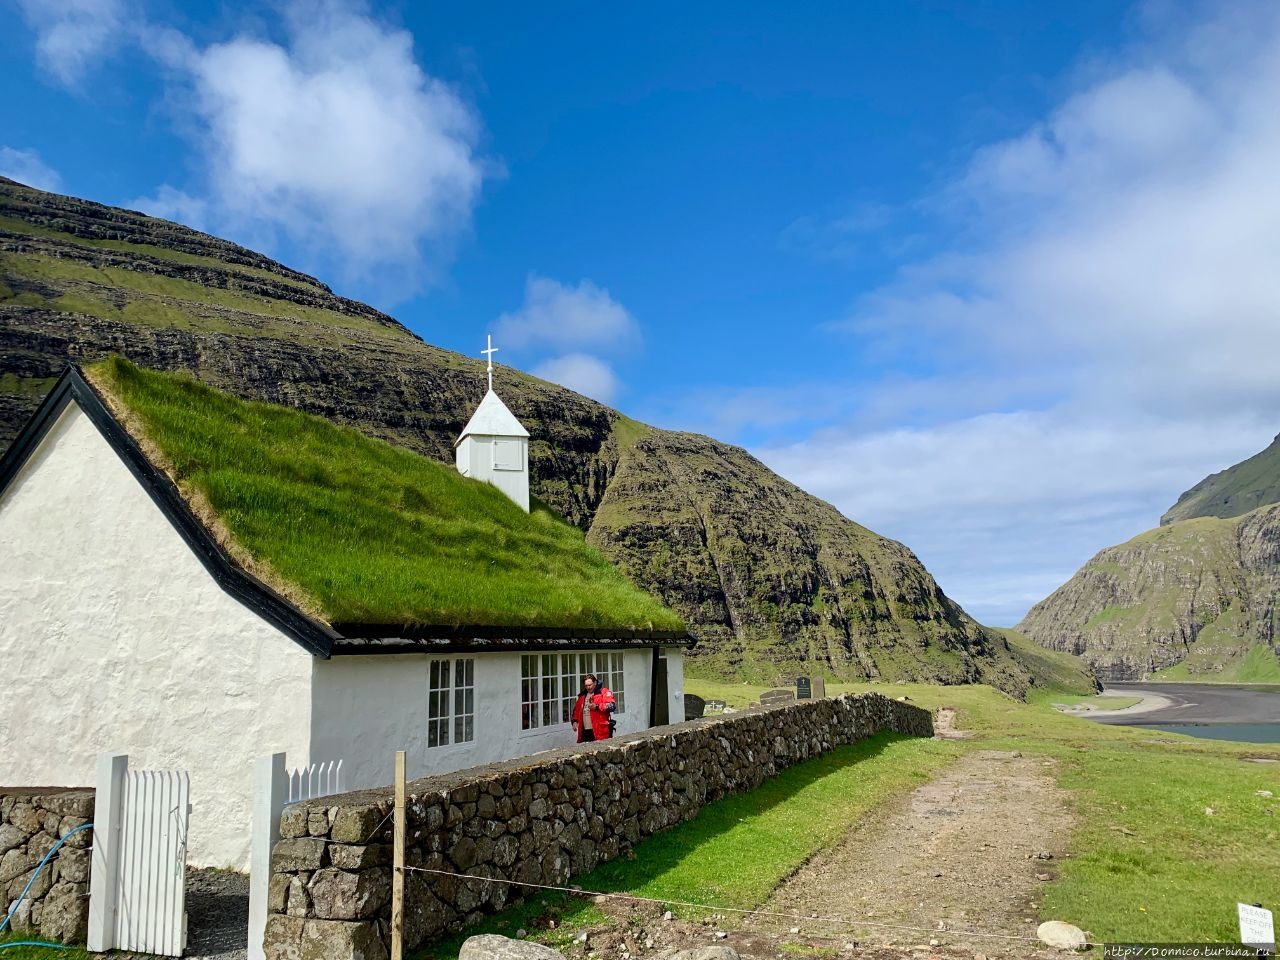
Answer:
(361, 531)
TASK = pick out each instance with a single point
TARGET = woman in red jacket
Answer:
(598, 703)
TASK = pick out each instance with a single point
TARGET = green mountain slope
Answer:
(1195, 599)
(1248, 485)
(769, 577)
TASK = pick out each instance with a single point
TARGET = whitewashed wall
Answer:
(475, 459)
(114, 637)
(366, 708)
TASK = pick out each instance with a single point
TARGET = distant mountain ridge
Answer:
(1232, 492)
(1196, 598)
(771, 579)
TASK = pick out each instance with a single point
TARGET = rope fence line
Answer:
(578, 891)
(713, 908)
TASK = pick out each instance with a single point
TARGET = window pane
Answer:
(469, 729)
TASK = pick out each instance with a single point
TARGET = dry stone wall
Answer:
(32, 821)
(541, 819)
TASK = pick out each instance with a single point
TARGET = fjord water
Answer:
(1248, 713)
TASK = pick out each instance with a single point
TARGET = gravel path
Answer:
(966, 851)
(217, 914)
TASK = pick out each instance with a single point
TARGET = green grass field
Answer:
(358, 530)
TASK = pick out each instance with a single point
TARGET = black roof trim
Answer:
(312, 636)
(535, 642)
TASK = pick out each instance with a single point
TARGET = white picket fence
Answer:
(137, 885)
(274, 788)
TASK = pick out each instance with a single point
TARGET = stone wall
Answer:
(32, 820)
(540, 819)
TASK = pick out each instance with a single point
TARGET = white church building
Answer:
(127, 625)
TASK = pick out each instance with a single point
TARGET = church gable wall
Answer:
(116, 638)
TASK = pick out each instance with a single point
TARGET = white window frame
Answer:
(607, 665)
(451, 701)
(539, 691)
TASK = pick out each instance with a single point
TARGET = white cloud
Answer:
(567, 317)
(1112, 288)
(568, 321)
(582, 372)
(25, 166)
(1003, 507)
(72, 36)
(336, 139)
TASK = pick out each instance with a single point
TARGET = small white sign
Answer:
(1256, 927)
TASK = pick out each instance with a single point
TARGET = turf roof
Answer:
(356, 530)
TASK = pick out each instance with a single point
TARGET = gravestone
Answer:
(715, 706)
(777, 696)
(819, 688)
(694, 706)
(804, 689)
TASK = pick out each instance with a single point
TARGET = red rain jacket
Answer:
(604, 702)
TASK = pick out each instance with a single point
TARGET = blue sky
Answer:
(997, 279)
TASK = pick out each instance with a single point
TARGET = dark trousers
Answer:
(588, 735)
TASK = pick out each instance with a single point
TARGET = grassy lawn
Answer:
(357, 530)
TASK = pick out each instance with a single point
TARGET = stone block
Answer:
(293, 821)
(74, 803)
(283, 938)
(278, 892)
(39, 885)
(73, 865)
(356, 857)
(339, 895)
(25, 817)
(11, 838)
(81, 840)
(491, 946)
(317, 823)
(64, 917)
(425, 916)
(297, 901)
(341, 940)
(356, 824)
(299, 853)
(463, 853)
(15, 863)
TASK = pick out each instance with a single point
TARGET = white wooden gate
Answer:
(274, 788)
(137, 887)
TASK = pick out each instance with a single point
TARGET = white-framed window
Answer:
(507, 455)
(550, 684)
(451, 702)
(605, 664)
(539, 691)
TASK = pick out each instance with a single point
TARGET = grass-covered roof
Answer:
(355, 530)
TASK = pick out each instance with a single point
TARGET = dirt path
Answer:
(967, 851)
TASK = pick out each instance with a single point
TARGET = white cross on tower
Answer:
(489, 353)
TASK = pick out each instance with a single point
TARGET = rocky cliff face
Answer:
(771, 579)
(1195, 599)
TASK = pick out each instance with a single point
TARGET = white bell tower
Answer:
(494, 446)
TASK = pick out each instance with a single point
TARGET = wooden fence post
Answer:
(397, 865)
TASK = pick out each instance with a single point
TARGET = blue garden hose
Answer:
(17, 903)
